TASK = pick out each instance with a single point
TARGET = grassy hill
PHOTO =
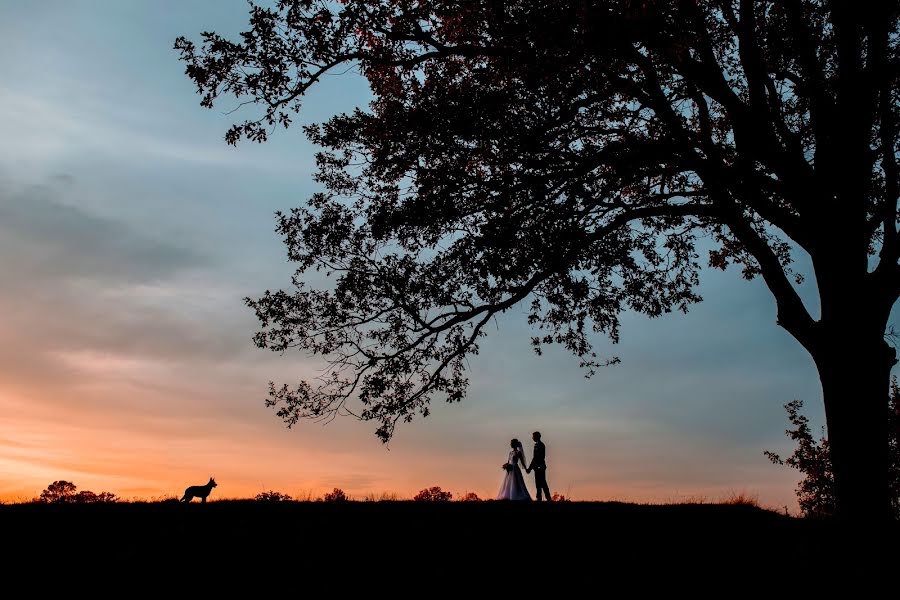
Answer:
(574, 543)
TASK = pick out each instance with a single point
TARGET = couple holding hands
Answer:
(513, 486)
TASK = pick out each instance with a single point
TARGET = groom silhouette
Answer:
(539, 466)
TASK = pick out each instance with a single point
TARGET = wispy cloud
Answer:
(90, 299)
(43, 128)
(43, 238)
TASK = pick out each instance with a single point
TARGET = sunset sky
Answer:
(130, 233)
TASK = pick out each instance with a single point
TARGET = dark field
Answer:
(565, 544)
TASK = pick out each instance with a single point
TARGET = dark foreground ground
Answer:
(387, 546)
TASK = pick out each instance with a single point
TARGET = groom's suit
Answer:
(539, 466)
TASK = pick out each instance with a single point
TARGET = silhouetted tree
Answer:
(272, 496)
(470, 497)
(815, 492)
(570, 153)
(433, 494)
(336, 495)
(85, 497)
(59, 492)
(65, 492)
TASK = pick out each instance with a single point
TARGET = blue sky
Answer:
(130, 232)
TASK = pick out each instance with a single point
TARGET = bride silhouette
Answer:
(513, 487)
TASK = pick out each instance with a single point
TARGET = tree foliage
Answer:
(433, 494)
(336, 495)
(59, 492)
(65, 492)
(85, 497)
(816, 492)
(567, 154)
(272, 496)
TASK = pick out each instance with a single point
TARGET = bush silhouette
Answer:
(336, 495)
(59, 492)
(433, 494)
(272, 496)
(85, 497)
(470, 497)
(816, 492)
(64, 492)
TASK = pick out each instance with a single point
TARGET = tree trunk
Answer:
(854, 364)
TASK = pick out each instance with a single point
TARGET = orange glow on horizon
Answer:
(124, 434)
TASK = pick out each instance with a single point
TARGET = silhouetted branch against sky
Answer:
(570, 154)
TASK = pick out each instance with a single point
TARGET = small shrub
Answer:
(812, 457)
(815, 492)
(89, 497)
(337, 495)
(433, 494)
(85, 497)
(272, 496)
(557, 497)
(470, 497)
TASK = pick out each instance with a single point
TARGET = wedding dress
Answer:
(513, 487)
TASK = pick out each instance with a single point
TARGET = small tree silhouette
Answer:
(337, 495)
(433, 494)
(59, 492)
(470, 497)
(272, 496)
(85, 497)
(815, 492)
(557, 497)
